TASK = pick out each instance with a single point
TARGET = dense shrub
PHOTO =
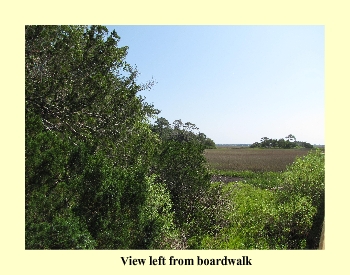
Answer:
(78, 199)
(156, 218)
(98, 176)
(258, 221)
(181, 167)
(89, 146)
(306, 178)
(284, 213)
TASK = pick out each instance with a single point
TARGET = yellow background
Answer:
(334, 15)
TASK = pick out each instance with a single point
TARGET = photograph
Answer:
(175, 137)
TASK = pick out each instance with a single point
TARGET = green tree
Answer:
(89, 147)
(255, 145)
(162, 127)
(207, 142)
(281, 143)
(291, 138)
(181, 166)
(78, 81)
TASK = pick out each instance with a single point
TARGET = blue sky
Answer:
(236, 83)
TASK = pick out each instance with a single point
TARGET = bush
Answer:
(258, 221)
(51, 194)
(62, 231)
(284, 213)
(77, 199)
(306, 178)
(89, 146)
(156, 218)
(181, 167)
(245, 222)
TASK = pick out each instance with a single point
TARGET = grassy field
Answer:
(252, 159)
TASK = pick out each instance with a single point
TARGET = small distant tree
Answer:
(291, 138)
(281, 143)
(162, 127)
(181, 132)
(209, 143)
(304, 144)
(255, 145)
(264, 142)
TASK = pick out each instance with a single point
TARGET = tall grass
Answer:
(252, 159)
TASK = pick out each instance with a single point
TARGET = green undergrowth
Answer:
(257, 179)
(240, 174)
(273, 210)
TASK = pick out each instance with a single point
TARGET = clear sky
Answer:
(236, 83)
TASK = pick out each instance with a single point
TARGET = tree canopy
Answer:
(77, 79)
(97, 173)
(182, 132)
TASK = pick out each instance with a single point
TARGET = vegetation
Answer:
(275, 210)
(252, 159)
(100, 175)
(181, 132)
(287, 143)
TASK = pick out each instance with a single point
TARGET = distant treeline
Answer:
(288, 143)
(233, 145)
(181, 132)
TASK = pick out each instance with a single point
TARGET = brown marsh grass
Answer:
(252, 159)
